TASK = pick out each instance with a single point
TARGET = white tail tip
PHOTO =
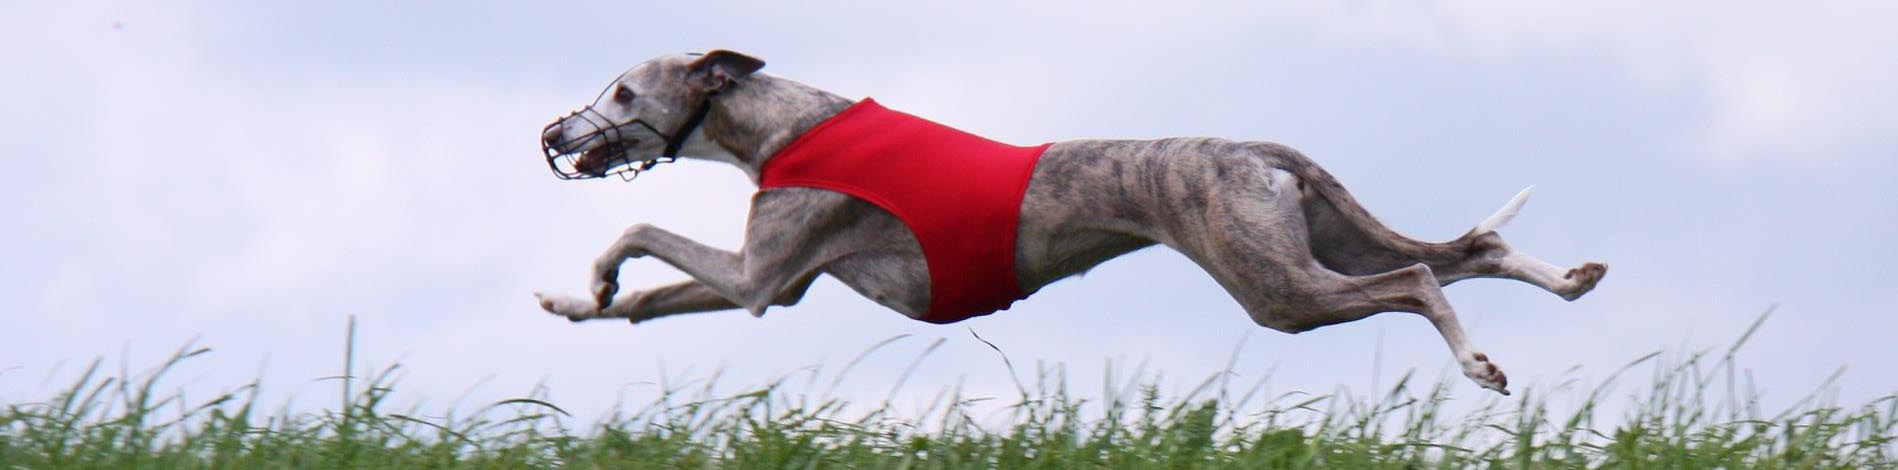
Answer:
(1502, 216)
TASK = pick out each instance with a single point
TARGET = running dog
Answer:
(941, 225)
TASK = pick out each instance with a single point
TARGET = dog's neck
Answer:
(757, 117)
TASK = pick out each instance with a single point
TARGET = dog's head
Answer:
(643, 117)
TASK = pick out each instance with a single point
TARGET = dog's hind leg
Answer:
(1346, 238)
(1487, 256)
(1569, 283)
(1255, 245)
(1331, 297)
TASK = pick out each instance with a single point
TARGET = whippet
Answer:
(1278, 232)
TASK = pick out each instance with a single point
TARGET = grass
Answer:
(1694, 412)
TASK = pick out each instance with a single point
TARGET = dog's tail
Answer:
(1502, 216)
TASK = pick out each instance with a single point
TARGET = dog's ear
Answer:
(717, 70)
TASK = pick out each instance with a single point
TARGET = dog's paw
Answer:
(1584, 279)
(603, 291)
(573, 308)
(1486, 374)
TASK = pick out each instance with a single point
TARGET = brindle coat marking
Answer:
(1277, 232)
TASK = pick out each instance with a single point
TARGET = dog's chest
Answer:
(958, 193)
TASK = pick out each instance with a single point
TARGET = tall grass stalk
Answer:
(1695, 410)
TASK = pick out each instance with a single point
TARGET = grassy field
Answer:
(1694, 412)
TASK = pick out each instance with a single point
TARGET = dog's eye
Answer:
(623, 94)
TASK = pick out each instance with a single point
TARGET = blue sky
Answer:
(253, 174)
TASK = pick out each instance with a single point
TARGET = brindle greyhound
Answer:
(1280, 234)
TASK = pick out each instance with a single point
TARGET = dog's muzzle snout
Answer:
(550, 135)
(591, 155)
(564, 162)
(603, 150)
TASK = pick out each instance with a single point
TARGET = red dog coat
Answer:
(958, 192)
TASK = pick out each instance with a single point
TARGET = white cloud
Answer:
(1780, 80)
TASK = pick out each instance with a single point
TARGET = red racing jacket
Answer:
(959, 193)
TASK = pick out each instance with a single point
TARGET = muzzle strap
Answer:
(677, 140)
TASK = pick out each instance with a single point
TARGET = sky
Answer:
(250, 175)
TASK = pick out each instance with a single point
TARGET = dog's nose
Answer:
(550, 137)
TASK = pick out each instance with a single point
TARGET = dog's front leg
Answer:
(676, 298)
(778, 258)
(689, 296)
(787, 239)
(672, 299)
(721, 279)
(632, 244)
(716, 270)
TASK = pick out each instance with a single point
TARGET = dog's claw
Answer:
(605, 284)
(545, 303)
(1585, 278)
(1486, 374)
(603, 293)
